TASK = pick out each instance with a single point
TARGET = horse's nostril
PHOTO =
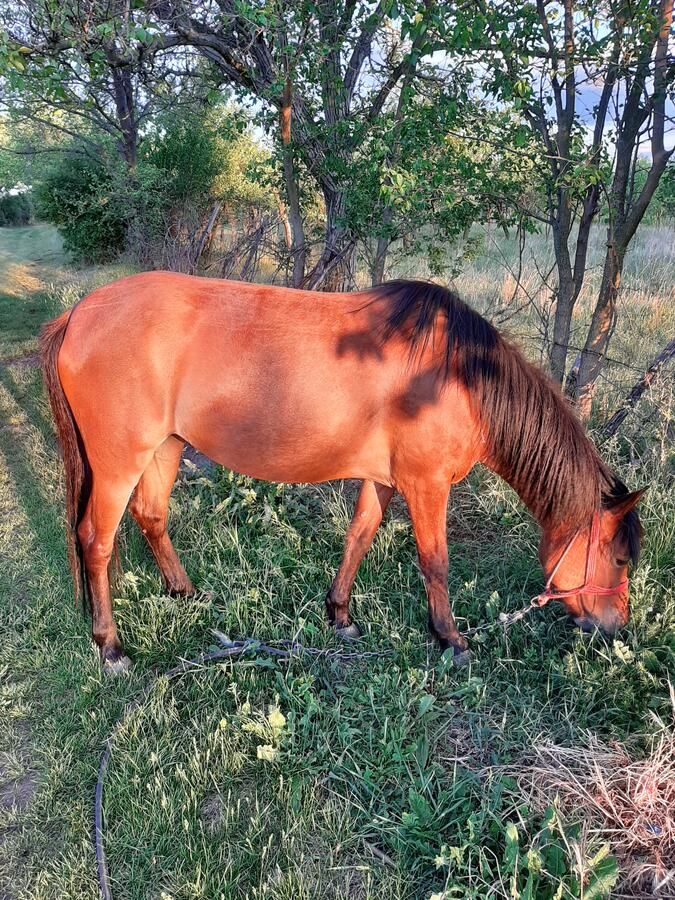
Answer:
(585, 624)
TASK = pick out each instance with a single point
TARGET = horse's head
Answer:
(588, 571)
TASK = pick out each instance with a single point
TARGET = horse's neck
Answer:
(538, 446)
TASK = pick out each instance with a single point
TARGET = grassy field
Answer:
(543, 770)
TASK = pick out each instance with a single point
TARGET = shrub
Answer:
(16, 209)
(81, 197)
(187, 163)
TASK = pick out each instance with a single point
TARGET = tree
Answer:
(62, 64)
(86, 70)
(419, 184)
(323, 72)
(646, 83)
(537, 59)
(191, 165)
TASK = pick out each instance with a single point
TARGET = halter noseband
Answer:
(589, 586)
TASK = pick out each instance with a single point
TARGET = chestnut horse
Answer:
(403, 386)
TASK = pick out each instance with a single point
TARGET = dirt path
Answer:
(19, 768)
(31, 260)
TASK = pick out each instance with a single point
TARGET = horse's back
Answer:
(281, 384)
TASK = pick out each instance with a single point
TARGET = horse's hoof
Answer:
(461, 658)
(350, 632)
(118, 666)
(182, 589)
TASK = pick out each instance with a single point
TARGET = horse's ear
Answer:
(623, 505)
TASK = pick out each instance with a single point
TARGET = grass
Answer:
(394, 777)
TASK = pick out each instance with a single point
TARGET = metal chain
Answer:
(507, 619)
(293, 647)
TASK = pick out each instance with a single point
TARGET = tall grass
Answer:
(398, 777)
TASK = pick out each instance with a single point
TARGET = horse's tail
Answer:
(75, 463)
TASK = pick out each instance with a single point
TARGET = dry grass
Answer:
(620, 797)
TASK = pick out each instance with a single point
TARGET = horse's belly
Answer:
(291, 432)
(310, 457)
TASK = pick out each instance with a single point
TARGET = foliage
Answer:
(16, 209)
(186, 163)
(78, 196)
(204, 156)
(438, 185)
(662, 208)
(185, 156)
(26, 151)
(92, 64)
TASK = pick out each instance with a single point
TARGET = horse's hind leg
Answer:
(149, 506)
(371, 505)
(96, 531)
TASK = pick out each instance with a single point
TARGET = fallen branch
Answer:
(612, 424)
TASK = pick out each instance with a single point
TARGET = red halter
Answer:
(588, 587)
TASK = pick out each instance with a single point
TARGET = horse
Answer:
(404, 387)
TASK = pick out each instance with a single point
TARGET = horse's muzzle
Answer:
(587, 625)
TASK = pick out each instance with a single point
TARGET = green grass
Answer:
(307, 778)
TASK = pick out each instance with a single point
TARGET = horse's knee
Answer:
(97, 554)
(151, 523)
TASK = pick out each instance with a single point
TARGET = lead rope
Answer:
(507, 619)
(549, 593)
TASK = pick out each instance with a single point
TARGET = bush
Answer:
(16, 209)
(156, 213)
(192, 165)
(81, 197)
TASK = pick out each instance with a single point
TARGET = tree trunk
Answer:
(562, 324)
(123, 90)
(565, 300)
(383, 242)
(298, 245)
(332, 271)
(205, 235)
(379, 263)
(285, 221)
(600, 331)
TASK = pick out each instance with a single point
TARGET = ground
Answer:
(389, 777)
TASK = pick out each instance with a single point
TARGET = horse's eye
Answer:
(622, 562)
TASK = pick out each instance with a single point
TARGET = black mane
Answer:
(535, 441)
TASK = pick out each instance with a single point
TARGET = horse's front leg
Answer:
(428, 505)
(371, 505)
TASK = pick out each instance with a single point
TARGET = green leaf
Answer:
(527, 892)
(426, 702)
(603, 878)
(511, 848)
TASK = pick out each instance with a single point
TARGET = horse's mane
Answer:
(535, 441)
